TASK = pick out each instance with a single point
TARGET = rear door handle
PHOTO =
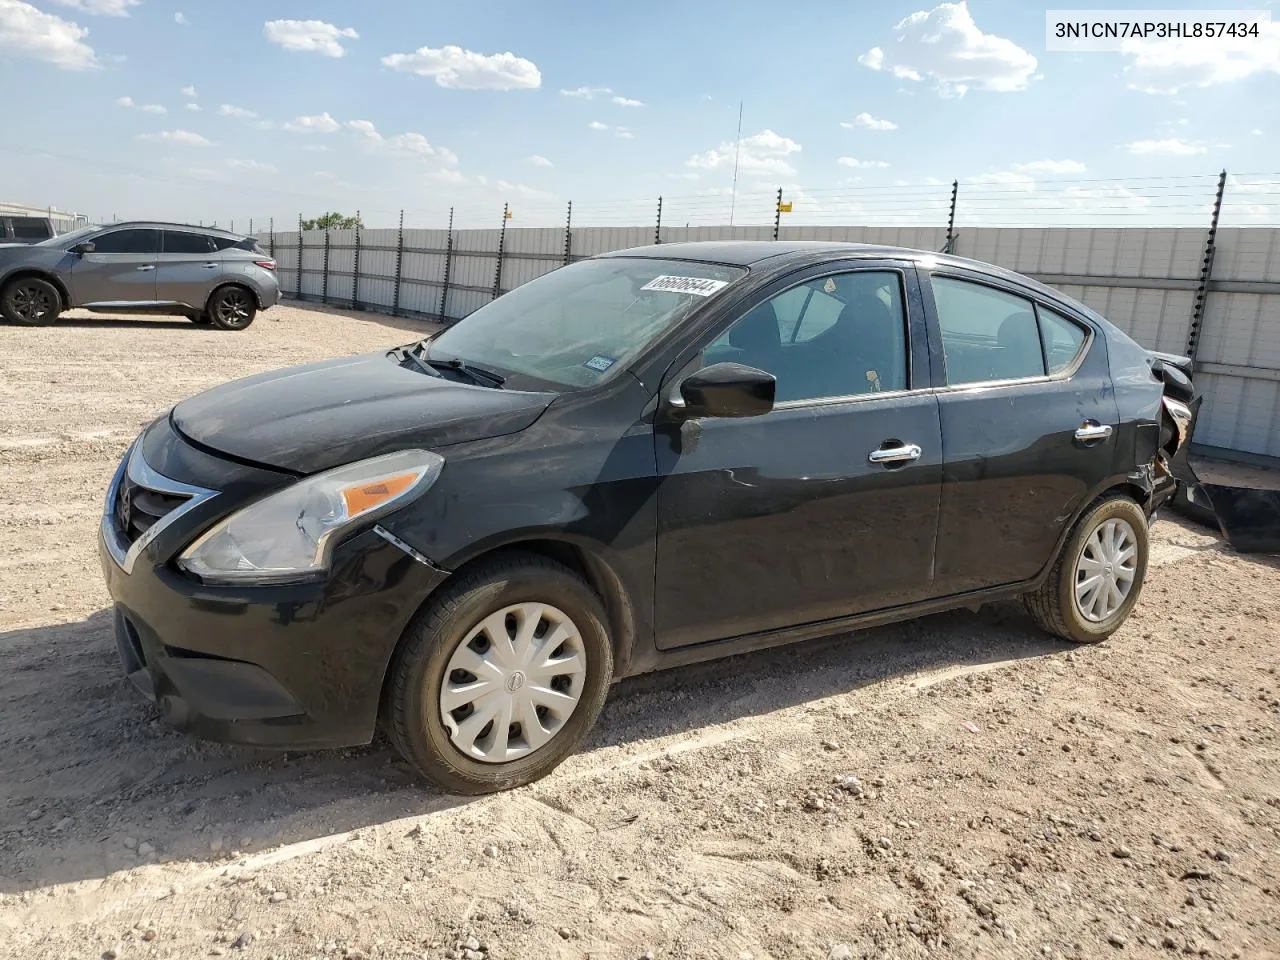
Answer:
(211, 266)
(900, 454)
(1092, 430)
(150, 266)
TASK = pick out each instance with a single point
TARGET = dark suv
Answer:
(209, 276)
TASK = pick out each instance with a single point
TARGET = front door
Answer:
(828, 505)
(187, 269)
(121, 269)
(1029, 424)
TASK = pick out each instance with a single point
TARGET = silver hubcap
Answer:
(1106, 569)
(513, 682)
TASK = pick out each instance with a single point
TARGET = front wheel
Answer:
(1098, 576)
(231, 308)
(31, 302)
(501, 677)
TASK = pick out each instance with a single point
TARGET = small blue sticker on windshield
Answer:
(600, 364)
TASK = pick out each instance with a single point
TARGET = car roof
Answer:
(163, 225)
(776, 255)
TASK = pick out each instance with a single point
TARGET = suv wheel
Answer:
(501, 677)
(30, 301)
(231, 308)
(1098, 576)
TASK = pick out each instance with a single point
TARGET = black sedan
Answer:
(645, 459)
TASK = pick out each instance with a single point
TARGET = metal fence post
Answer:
(657, 230)
(502, 243)
(271, 239)
(324, 281)
(251, 226)
(951, 219)
(1206, 271)
(395, 294)
(777, 215)
(448, 269)
(355, 269)
(299, 277)
(568, 234)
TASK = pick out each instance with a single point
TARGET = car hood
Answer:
(321, 415)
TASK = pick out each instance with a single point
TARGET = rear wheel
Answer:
(501, 677)
(30, 301)
(1098, 576)
(231, 308)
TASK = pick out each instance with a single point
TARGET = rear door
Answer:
(1029, 422)
(120, 270)
(188, 267)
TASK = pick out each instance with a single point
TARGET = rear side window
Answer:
(1062, 339)
(31, 228)
(987, 334)
(128, 241)
(178, 241)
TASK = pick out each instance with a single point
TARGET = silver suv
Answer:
(209, 276)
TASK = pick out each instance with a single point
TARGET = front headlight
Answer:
(290, 535)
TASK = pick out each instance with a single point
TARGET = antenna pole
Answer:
(737, 153)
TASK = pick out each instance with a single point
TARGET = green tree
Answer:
(332, 221)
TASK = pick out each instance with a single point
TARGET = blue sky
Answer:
(862, 112)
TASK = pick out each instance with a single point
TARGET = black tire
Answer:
(231, 307)
(411, 702)
(1053, 606)
(30, 301)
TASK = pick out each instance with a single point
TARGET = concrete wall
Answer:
(1144, 280)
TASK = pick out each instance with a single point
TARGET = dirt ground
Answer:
(959, 786)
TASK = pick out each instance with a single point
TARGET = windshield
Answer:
(66, 239)
(578, 326)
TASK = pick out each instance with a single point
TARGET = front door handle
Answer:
(1092, 430)
(903, 453)
(150, 266)
(211, 266)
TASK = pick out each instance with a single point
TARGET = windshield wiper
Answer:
(408, 354)
(476, 374)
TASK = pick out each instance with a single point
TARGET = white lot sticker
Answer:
(698, 286)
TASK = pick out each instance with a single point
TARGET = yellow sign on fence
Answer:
(784, 207)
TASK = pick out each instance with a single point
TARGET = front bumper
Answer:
(288, 665)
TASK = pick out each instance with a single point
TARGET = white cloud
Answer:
(124, 102)
(193, 107)
(1005, 178)
(308, 36)
(868, 122)
(1050, 167)
(1171, 147)
(597, 125)
(1256, 132)
(862, 164)
(946, 45)
(762, 153)
(365, 128)
(317, 148)
(263, 125)
(540, 161)
(252, 165)
(184, 137)
(624, 133)
(180, 19)
(460, 69)
(408, 144)
(152, 108)
(28, 32)
(188, 91)
(1169, 66)
(628, 102)
(586, 93)
(229, 110)
(323, 123)
(101, 8)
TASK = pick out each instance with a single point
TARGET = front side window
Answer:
(128, 241)
(178, 241)
(835, 336)
(580, 325)
(987, 334)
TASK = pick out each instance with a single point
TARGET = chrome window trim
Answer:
(140, 472)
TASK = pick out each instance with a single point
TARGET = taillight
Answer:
(266, 264)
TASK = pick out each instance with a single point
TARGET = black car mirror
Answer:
(727, 390)
(86, 246)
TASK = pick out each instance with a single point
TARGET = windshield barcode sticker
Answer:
(698, 286)
(600, 364)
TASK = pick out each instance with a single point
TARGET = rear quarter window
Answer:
(31, 228)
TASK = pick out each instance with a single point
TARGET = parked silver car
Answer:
(207, 275)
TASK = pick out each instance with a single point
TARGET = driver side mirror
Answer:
(726, 390)
(86, 246)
